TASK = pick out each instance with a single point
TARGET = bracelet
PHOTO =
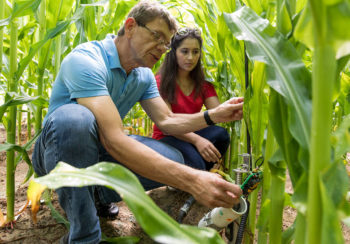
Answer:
(207, 118)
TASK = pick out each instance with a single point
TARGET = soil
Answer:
(47, 230)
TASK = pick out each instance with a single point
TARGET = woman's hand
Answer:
(207, 150)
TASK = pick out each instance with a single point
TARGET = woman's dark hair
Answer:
(169, 67)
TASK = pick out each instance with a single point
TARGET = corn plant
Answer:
(297, 65)
(163, 228)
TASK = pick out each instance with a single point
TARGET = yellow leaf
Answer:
(2, 220)
(34, 193)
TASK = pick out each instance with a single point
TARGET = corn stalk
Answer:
(323, 79)
(11, 124)
(43, 58)
(2, 15)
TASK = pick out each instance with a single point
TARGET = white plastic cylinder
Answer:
(218, 218)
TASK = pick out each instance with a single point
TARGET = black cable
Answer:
(185, 208)
(242, 225)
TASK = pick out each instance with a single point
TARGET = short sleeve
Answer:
(158, 81)
(152, 90)
(208, 90)
(84, 76)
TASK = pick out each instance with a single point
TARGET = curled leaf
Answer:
(33, 194)
(2, 220)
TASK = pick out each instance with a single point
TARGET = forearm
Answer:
(150, 164)
(177, 124)
(188, 137)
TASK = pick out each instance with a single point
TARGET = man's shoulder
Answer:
(145, 73)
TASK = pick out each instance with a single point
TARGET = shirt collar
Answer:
(112, 52)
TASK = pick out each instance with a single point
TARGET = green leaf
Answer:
(286, 73)
(24, 155)
(57, 11)
(51, 33)
(55, 214)
(163, 228)
(288, 234)
(24, 7)
(284, 22)
(341, 139)
(337, 18)
(278, 117)
(330, 221)
(16, 99)
(258, 106)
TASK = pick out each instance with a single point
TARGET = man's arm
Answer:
(208, 188)
(171, 123)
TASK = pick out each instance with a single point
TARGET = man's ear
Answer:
(129, 26)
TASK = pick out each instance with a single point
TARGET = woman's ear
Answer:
(130, 26)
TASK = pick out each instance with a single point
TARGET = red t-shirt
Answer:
(186, 104)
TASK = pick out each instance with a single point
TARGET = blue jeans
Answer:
(70, 135)
(215, 134)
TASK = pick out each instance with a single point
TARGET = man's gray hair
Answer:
(147, 11)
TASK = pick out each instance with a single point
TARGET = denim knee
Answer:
(70, 135)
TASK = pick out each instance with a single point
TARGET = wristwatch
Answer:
(207, 118)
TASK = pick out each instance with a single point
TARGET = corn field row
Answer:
(289, 59)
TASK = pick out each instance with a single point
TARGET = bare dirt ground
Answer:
(47, 230)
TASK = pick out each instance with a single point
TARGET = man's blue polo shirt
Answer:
(93, 69)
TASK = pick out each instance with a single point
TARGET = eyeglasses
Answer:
(157, 37)
(186, 31)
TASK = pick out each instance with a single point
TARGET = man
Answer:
(97, 85)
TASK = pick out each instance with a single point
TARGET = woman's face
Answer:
(188, 54)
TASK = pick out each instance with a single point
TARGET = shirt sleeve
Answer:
(84, 76)
(209, 90)
(158, 81)
(152, 90)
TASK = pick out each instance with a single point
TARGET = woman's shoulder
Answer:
(207, 85)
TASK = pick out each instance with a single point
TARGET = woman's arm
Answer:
(205, 148)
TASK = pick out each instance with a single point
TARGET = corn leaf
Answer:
(278, 117)
(333, 186)
(163, 228)
(33, 194)
(24, 7)
(338, 19)
(258, 107)
(286, 73)
(16, 99)
(341, 139)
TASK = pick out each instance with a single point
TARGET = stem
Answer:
(324, 67)
(278, 178)
(323, 79)
(58, 51)
(252, 211)
(2, 14)
(233, 159)
(11, 125)
(300, 234)
(19, 124)
(42, 63)
(266, 184)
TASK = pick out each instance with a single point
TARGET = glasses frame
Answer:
(157, 37)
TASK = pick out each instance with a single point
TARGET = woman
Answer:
(182, 85)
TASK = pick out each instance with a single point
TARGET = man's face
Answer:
(149, 42)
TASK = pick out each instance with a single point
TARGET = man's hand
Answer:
(212, 191)
(228, 111)
(207, 150)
